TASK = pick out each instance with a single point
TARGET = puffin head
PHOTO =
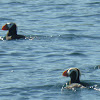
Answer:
(73, 73)
(9, 26)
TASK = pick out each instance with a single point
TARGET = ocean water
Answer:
(60, 34)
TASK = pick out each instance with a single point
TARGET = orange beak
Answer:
(65, 73)
(5, 27)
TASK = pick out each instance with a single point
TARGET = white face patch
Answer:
(71, 70)
(10, 25)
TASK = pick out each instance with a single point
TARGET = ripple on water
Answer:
(77, 54)
(59, 33)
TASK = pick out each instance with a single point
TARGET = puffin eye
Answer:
(9, 25)
(70, 71)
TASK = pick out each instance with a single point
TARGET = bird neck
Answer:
(74, 81)
(74, 78)
(12, 31)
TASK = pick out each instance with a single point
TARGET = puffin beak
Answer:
(5, 27)
(65, 73)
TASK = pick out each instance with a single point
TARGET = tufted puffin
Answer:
(74, 74)
(12, 31)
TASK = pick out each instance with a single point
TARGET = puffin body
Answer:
(74, 74)
(12, 31)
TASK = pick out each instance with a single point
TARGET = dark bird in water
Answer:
(12, 31)
(74, 74)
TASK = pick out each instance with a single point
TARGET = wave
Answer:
(32, 88)
(77, 54)
(16, 3)
(91, 86)
(94, 3)
(68, 37)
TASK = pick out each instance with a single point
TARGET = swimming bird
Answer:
(12, 31)
(74, 74)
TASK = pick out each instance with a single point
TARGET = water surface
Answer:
(61, 34)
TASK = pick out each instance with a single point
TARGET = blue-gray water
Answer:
(61, 34)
